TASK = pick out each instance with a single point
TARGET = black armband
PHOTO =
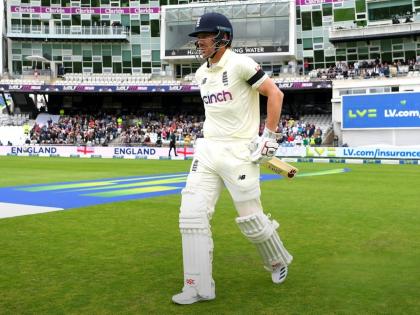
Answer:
(256, 77)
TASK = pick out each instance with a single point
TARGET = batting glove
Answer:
(264, 148)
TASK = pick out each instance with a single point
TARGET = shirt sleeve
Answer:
(252, 72)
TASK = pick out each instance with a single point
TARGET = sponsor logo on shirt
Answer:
(219, 97)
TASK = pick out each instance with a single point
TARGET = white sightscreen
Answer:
(258, 28)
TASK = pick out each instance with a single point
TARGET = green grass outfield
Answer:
(354, 237)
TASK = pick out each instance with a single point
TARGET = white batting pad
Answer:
(262, 232)
(197, 249)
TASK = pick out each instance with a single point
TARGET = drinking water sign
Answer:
(392, 110)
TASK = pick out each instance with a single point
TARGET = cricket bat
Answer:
(281, 168)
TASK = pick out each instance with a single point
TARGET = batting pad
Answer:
(197, 250)
(262, 232)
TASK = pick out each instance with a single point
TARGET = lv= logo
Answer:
(318, 151)
(371, 113)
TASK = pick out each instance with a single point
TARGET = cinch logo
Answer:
(371, 113)
(223, 96)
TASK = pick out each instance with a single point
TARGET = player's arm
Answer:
(274, 103)
(266, 145)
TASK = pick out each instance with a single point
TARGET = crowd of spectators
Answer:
(156, 129)
(103, 129)
(76, 130)
(298, 133)
(367, 69)
(150, 129)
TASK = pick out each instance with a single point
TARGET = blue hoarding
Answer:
(393, 110)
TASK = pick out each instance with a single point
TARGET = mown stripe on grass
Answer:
(133, 191)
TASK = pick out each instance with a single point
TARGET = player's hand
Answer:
(264, 148)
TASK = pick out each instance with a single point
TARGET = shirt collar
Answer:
(225, 58)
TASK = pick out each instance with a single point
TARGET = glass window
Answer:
(360, 6)
(346, 14)
(77, 50)
(377, 13)
(316, 18)
(362, 50)
(155, 55)
(375, 56)
(75, 19)
(96, 50)
(77, 67)
(135, 27)
(97, 67)
(136, 62)
(386, 45)
(116, 50)
(116, 67)
(386, 57)
(155, 28)
(306, 21)
(327, 9)
(307, 43)
(136, 50)
(107, 61)
(319, 55)
(144, 19)
(126, 58)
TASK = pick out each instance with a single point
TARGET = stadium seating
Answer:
(13, 120)
(105, 79)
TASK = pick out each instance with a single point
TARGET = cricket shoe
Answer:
(279, 274)
(189, 295)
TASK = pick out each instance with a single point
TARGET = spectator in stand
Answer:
(187, 140)
(305, 140)
(298, 140)
(318, 140)
(356, 68)
(318, 132)
(312, 141)
(305, 67)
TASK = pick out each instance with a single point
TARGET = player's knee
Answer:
(193, 201)
(248, 207)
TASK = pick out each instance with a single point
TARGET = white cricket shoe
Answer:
(279, 274)
(189, 296)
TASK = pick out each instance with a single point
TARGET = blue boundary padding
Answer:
(77, 196)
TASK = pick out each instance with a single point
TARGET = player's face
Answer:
(205, 44)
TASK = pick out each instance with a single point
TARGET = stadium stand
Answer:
(149, 56)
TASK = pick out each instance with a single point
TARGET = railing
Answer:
(91, 32)
(371, 32)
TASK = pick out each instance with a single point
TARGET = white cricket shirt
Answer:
(230, 96)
